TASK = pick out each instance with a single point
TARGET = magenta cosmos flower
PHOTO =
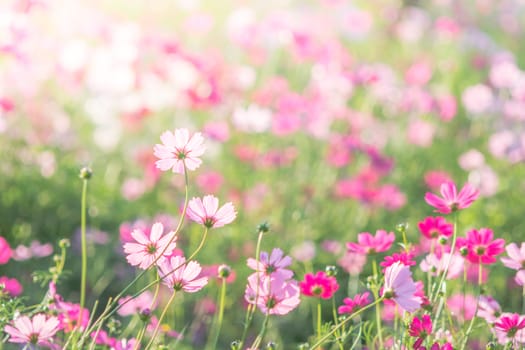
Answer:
(351, 305)
(148, 249)
(37, 331)
(273, 295)
(178, 275)
(179, 151)
(5, 251)
(319, 285)
(368, 244)
(452, 201)
(435, 227)
(400, 287)
(420, 328)
(481, 249)
(509, 327)
(206, 212)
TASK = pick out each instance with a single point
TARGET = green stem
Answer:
(251, 308)
(336, 323)
(378, 307)
(335, 329)
(218, 324)
(160, 320)
(471, 324)
(262, 333)
(319, 316)
(435, 292)
(84, 250)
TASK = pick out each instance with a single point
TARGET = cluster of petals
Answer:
(510, 328)
(351, 305)
(368, 244)
(420, 328)
(273, 295)
(488, 309)
(451, 200)
(206, 212)
(319, 285)
(436, 264)
(179, 275)
(481, 247)
(275, 263)
(146, 250)
(179, 151)
(406, 258)
(5, 251)
(38, 330)
(435, 227)
(400, 287)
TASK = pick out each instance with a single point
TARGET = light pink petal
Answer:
(16, 335)
(225, 215)
(181, 138)
(196, 211)
(131, 248)
(140, 237)
(38, 322)
(211, 204)
(24, 325)
(448, 191)
(195, 285)
(163, 152)
(156, 231)
(191, 271)
(167, 164)
(192, 163)
(252, 263)
(195, 145)
(50, 328)
(168, 139)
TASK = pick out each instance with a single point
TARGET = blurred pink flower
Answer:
(368, 244)
(421, 133)
(400, 287)
(461, 306)
(319, 285)
(350, 305)
(146, 250)
(179, 151)
(275, 263)
(352, 263)
(129, 306)
(451, 200)
(164, 328)
(179, 275)
(435, 178)
(516, 259)
(210, 182)
(420, 328)
(218, 130)
(276, 295)
(481, 247)
(435, 227)
(435, 265)
(11, 286)
(38, 330)
(206, 212)
(5, 251)
(68, 316)
(419, 73)
(304, 251)
(472, 159)
(477, 99)
(488, 308)
(446, 106)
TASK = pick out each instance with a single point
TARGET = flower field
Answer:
(292, 174)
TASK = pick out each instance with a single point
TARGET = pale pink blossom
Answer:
(206, 211)
(451, 200)
(275, 295)
(478, 99)
(400, 287)
(275, 263)
(145, 250)
(179, 151)
(131, 306)
(461, 306)
(435, 265)
(368, 244)
(516, 259)
(488, 308)
(38, 330)
(179, 275)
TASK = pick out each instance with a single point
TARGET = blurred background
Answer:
(323, 118)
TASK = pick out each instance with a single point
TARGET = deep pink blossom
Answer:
(481, 247)
(38, 330)
(400, 287)
(206, 211)
(5, 251)
(516, 259)
(368, 244)
(405, 258)
(451, 200)
(435, 227)
(11, 286)
(509, 327)
(179, 275)
(275, 263)
(179, 151)
(273, 295)
(353, 304)
(319, 285)
(420, 328)
(146, 249)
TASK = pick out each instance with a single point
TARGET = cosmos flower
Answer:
(206, 212)
(452, 201)
(400, 287)
(179, 151)
(38, 330)
(178, 275)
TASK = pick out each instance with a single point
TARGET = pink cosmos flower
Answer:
(68, 316)
(177, 275)
(436, 264)
(451, 200)
(368, 244)
(516, 259)
(400, 287)
(5, 251)
(11, 286)
(488, 308)
(276, 295)
(481, 248)
(148, 249)
(351, 305)
(37, 331)
(319, 285)
(352, 263)
(405, 258)
(420, 328)
(276, 263)
(131, 306)
(509, 327)
(463, 307)
(520, 278)
(206, 211)
(435, 227)
(179, 151)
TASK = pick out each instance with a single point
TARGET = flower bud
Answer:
(145, 315)
(303, 346)
(331, 270)
(402, 227)
(263, 227)
(224, 271)
(235, 345)
(64, 243)
(85, 173)
(271, 346)
(442, 240)
(463, 251)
